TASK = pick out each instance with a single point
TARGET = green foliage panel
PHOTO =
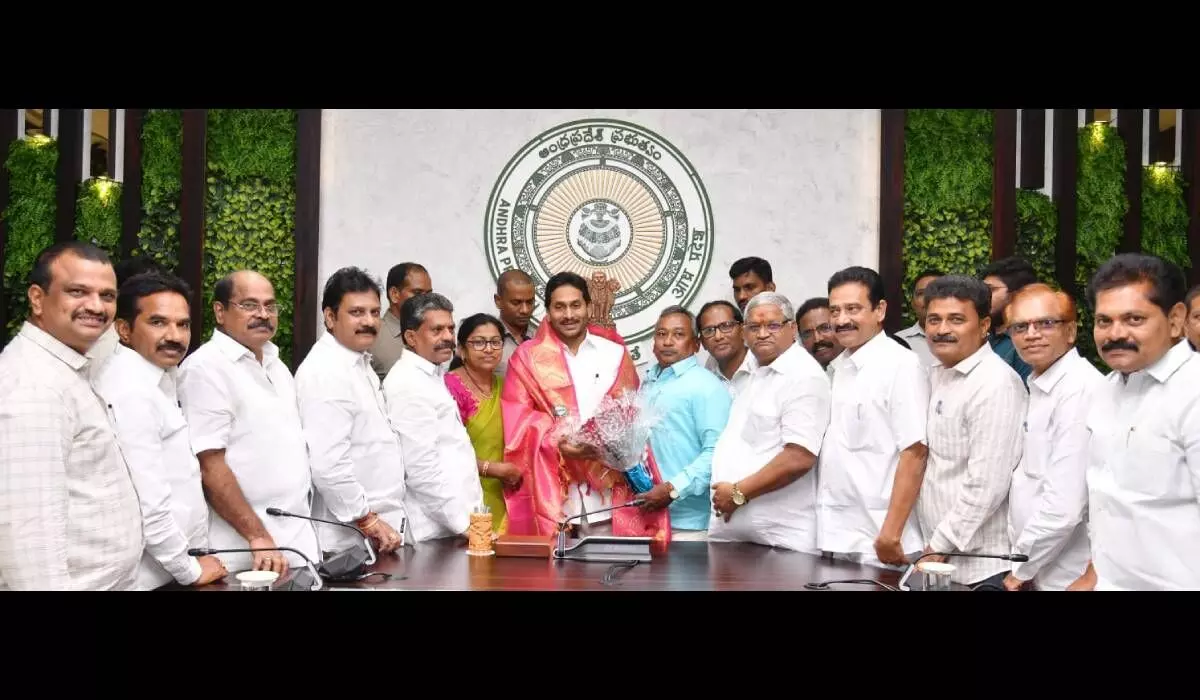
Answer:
(948, 158)
(1102, 204)
(98, 215)
(954, 241)
(249, 226)
(1164, 215)
(253, 143)
(29, 218)
(162, 183)
(1037, 229)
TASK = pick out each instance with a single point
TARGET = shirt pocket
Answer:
(857, 418)
(1151, 466)
(762, 430)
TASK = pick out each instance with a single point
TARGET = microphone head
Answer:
(197, 552)
(1018, 557)
(275, 511)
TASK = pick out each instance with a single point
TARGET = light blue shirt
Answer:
(693, 406)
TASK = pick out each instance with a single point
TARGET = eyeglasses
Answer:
(251, 307)
(823, 329)
(773, 327)
(480, 343)
(726, 328)
(1042, 324)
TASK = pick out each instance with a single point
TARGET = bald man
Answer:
(240, 403)
(514, 299)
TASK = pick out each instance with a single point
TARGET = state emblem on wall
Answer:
(602, 195)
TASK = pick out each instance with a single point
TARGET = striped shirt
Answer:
(976, 409)
(69, 515)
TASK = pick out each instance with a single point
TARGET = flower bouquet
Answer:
(620, 432)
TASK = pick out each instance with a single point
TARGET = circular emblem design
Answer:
(601, 195)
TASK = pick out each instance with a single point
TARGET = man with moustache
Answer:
(816, 332)
(357, 464)
(750, 276)
(104, 346)
(69, 515)
(873, 458)
(694, 409)
(560, 378)
(514, 300)
(441, 474)
(1004, 278)
(1048, 496)
(140, 384)
(1143, 471)
(974, 430)
(240, 403)
(764, 490)
(404, 281)
(720, 327)
(914, 335)
(1192, 326)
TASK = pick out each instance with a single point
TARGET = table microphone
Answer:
(913, 566)
(562, 526)
(366, 540)
(317, 583)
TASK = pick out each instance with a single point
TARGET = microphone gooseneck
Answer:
(561, 545)
(205, 551)
(366, 540)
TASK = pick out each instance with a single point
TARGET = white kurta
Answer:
(154, 439)
(880, 397)
(1144, 476)
(914, 335)
(741, 376)
(1048, 498)
(593, 371)
(233, 402)
(785, 402)
(357, 463)
(440, 474)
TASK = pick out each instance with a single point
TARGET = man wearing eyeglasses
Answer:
(763, 488)
(720, 328)
(240, 403)
(1048, 497)
(816, 332)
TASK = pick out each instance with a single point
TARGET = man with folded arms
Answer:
(240, 403)
(976, 409)
(69, 516)
(1048, 497)
(140, 383)
(764, 490)
(441, 473)
(357, 465)
(1143, 471)
(694, 409)
(873, 457)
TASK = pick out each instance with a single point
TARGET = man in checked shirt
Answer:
(976, 408)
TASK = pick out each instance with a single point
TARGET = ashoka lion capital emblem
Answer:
(604, 196)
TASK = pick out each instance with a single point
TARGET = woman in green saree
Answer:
(476, 389)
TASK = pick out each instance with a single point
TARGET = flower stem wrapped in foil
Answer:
(620, 432)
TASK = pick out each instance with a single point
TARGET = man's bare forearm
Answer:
(225, 495)
(787, 466)
(905, 489)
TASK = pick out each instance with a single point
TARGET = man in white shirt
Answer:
(404, 281)
(1048, 497)
(873, 458)
(914, 335)
(357, 465)
(69, 515)
(815, 330)
(1143, 472)
(721, 335)
(441, 473)
(240, 403)
(139, 382)
(764, 488)
(976, 409)
(100, 352)
(1191, 327)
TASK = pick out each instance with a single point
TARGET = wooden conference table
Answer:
(687, 566)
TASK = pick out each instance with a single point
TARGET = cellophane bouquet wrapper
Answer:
(620, 431)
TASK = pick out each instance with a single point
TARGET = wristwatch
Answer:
(739, 498)
(674, 493)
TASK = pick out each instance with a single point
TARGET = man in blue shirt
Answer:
(1004, 278)
(693, 407)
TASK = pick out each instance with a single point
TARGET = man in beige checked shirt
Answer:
(69, 515)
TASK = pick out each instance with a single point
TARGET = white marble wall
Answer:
(798, 187)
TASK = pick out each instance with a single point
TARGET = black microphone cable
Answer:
(614, 572)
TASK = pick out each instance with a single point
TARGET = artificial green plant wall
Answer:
(1164, 215)
(162, 183)
(29, 217)
(98, 215)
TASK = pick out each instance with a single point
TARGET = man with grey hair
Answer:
(441, 475)
(763, 488)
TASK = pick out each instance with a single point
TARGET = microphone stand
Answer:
(317, 583)
(366, 540)
(913, 566)
(603, 548)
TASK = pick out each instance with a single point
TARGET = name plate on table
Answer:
(607, 549)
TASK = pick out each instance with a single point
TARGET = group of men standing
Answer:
(980, 430)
